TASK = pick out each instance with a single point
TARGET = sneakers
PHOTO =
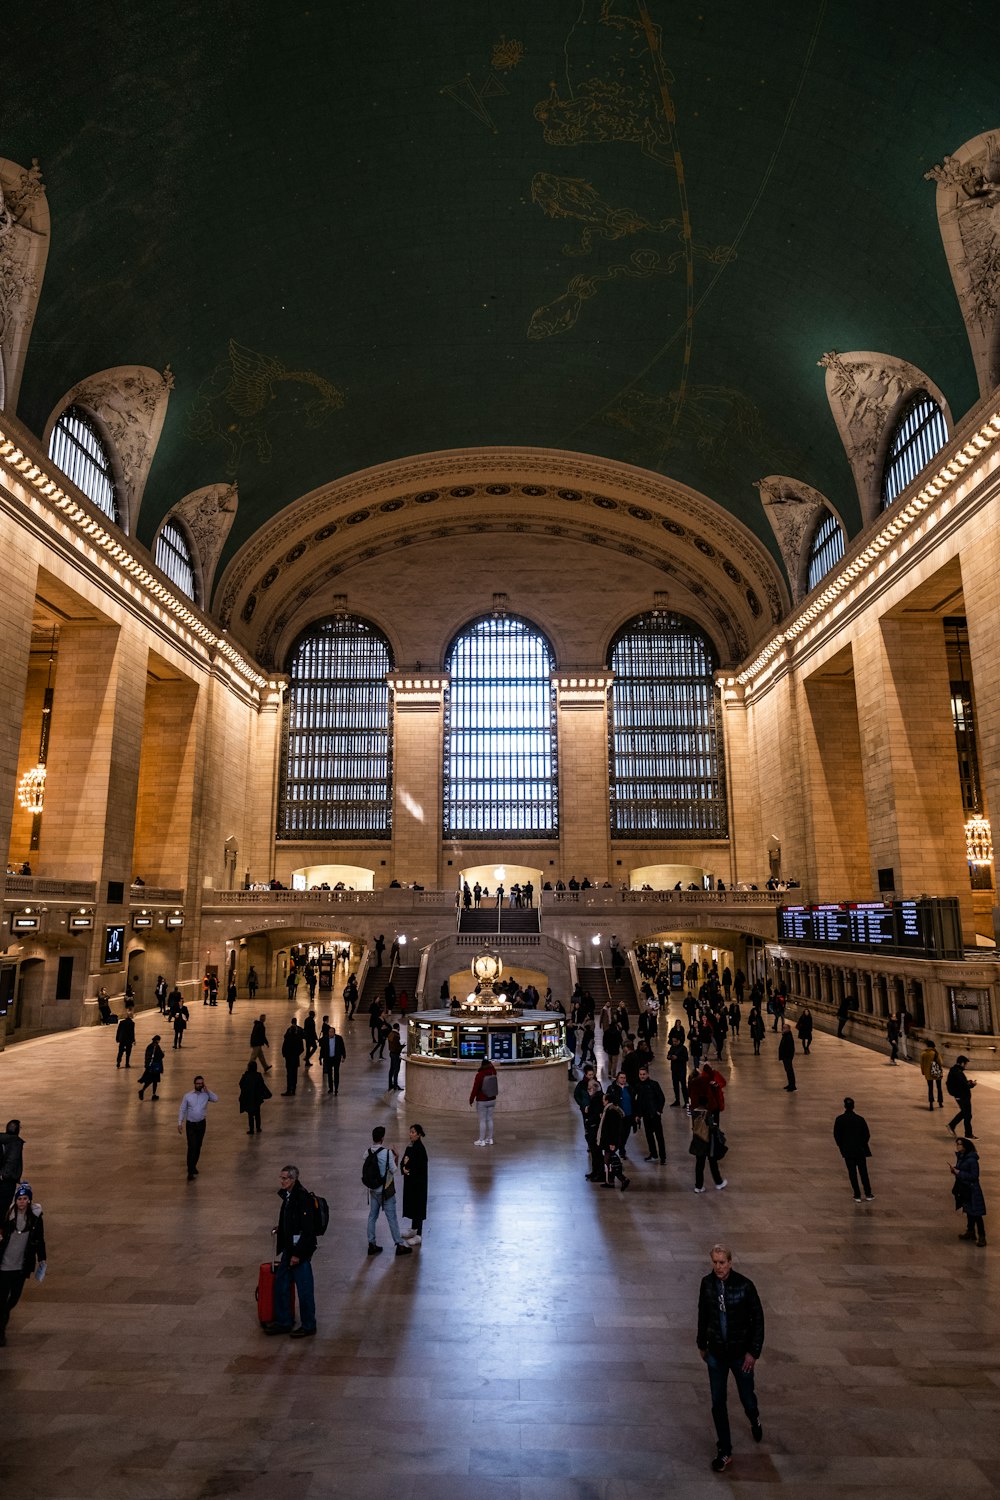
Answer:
(414, 1239)
(699, 1190)
(869, 1197)
(374, 1249)
(756, 1430)
(720, 1185)
(721, 1463)
(479, 1143)
(857, 1200)
(303, 1333)
(402, 1249)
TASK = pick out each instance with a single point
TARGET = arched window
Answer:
(78, 449)
(337, 761)
(667, 775)
(827, 548)
(173, 557)
(500, 735)
(920, 433)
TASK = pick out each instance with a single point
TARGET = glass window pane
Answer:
(337, 762)
(827, 548)
(500, 738)
(76, 447)
(665, 759)
(921, 432)
(173, 557)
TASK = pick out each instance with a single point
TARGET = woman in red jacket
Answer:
(485, 1088)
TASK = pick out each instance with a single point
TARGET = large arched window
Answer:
(920, 433)
(826, 548)
(500, 736)
(337, 762)
(173, 557)
(78, 449)
(666, 766)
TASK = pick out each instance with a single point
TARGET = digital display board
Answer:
(114, 945)
(502, 1046)
(926, 928)
(472, 1044)
(21, 923)
(872, 924)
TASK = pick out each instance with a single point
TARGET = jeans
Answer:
(719, 1367)
(388, 1207)
(302, 1277)
(484, 1109)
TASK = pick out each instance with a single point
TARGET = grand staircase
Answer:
(593, 981)
(512, 919)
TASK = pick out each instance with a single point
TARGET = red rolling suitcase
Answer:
(265, 1292)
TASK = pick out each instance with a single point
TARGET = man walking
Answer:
(850, 1131)
(309, 1036)
(292, 1047)
(395, 1044)
(125, 1037)
(786, 1052)
(191, 1117)
(677, 1055)
(730, 1339)
(960, 1088)
(295, 1242)
(11, 1164)
(332, 1054)
(379, 1165)
(649, 1105)
(258, 1041)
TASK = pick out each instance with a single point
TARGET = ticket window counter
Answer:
(515, 1042)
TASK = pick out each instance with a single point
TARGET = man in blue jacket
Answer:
(730, 1339)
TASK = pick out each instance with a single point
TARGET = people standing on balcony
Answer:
(528, 893)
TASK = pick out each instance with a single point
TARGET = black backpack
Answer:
(321, 1213)
(371, 1173)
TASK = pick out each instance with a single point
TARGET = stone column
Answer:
(265, 773)
(746, 858)
(910, 762)
(834, 787)
(17, 599)
(418, 768)
(582, 730)
(982, 612)
(165, 804)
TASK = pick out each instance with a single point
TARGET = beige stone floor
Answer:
(538, 1346)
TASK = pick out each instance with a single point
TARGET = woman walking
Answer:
(22, 1249)
(414, 1169)
(484, 1096)
(708, 1144)
(804, 1027)
(153, 1070)
(253, 1092)
(967, 1192)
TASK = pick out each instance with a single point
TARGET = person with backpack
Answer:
(933, 1071)
(295, 1242)
(485, 1088)
(377, 1176)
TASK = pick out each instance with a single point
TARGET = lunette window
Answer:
(77, 448)
(337, 761)
(826, 550)
(921, 432)
(500, 775)
(173, 557)
(665, 744)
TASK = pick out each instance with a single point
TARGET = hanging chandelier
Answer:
(978, 841)
(31, 789)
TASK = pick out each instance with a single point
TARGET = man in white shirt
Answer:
(194, 1107)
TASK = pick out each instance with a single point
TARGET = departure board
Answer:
(930, 927)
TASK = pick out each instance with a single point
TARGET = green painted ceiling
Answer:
(358, 232)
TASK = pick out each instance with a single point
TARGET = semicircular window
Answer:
(77, 447)
(173, 556)
(336, 780)
(500, 733)
(826, 548)
(920, 433)
(667, 776)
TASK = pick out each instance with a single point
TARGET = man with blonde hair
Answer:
(730, 1338)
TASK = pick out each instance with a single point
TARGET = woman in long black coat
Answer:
(414, 1166)
(253, 1092)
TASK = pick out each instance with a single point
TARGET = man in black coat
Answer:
(11, 1164)
(730, 1339)
(292, 1047)
(852, 1135)
(649, 1104)
(125, 1037)
(295, 1242)
(960, 1088)
(786, 1051)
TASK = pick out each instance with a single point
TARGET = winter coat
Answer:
(744, 1316)
(253, 1092)
(786, 1047)
(968, 1194)
(414, 1170)
(612, 1132)
(852, 1135)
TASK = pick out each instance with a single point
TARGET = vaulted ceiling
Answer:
(620, 227)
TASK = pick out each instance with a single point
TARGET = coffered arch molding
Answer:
(273, 577)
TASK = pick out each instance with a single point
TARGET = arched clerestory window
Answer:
(826, 548)
(337, 762)
(173, 557)
(500, 777)
(665, 754)
(919, 434)
(77, 447)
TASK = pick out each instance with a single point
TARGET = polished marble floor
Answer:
(539, 1345)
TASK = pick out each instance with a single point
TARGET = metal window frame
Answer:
(173, 556)
(920, 433)
(825, 550)
(78, 449)
(666, 766)
(489, 711)
(353, 800)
